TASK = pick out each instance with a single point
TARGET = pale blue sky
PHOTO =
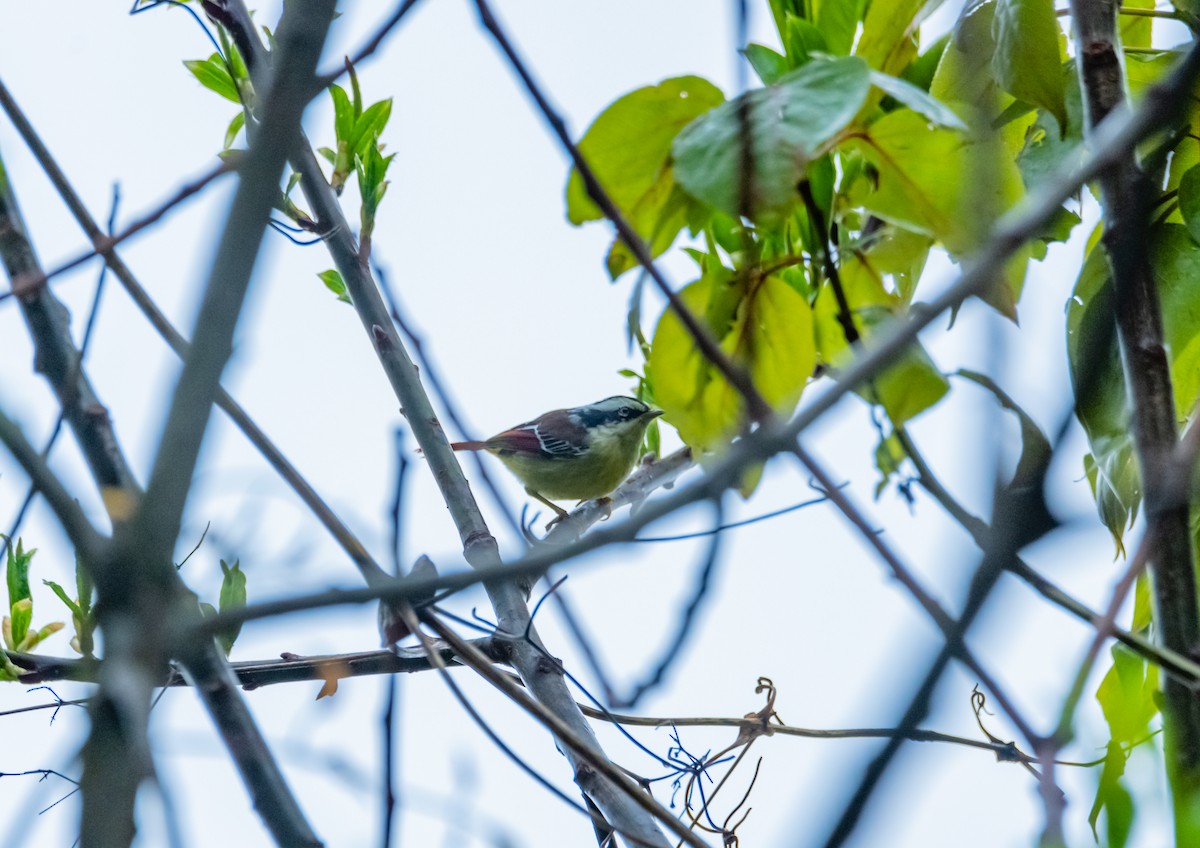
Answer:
(515, 306)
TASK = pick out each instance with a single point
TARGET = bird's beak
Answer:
(654, 413)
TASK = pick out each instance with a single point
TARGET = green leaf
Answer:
(935, 181)
(236, 62)
(656, 218)
(212, 74)
(964, 74)
(22, 617)
(1112, 474)
(801, 39)
(233, 596)
(920, 176)
(333, 281)
(909, 386)
(372, 183)
(17, 570)
(1175, 257)
(369, 126)
(1176, 261)
(343, 113)
(768, 64)
(838, 21)
(1143, 604)
(1189, 200)
(901, 253)
(1135, 29)
(917, 100)
(1114, 798)
(1045, 153)
(628, 146)
(233, 586)
(1028, 62)
(920, 72)
(767, 328)
(355, 90)
(235, 127)
(64, 597)
(888, 41)
(80, 617)
(1127, 695)
(84, 586)
(33, 638)
(789, 125)
(889, 456)
(1091, 350)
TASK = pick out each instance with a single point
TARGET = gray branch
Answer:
(479, 546)
(105, 246)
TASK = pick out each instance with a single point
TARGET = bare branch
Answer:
(479, 546)
(253, 674)
(1127, 194)
(584, 747)
(29, 282)
(372, 44)
(758, 408)
(58, 359)
(141, 298)
(80, 531)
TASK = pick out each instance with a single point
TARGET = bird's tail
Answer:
(468, 446)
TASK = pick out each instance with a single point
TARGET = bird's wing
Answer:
(532, 439)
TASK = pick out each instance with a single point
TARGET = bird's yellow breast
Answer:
(609, 459)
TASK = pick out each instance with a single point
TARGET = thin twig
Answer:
(758, 408)
(30, 282)
(141, 298)
(89, 327)
(479, 546)
(373, 43)
(585, 749)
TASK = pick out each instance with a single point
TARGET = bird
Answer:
(577, 454)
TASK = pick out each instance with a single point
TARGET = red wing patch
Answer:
(516, 440)
(528, 439)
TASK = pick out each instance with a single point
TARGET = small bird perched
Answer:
(573, 454)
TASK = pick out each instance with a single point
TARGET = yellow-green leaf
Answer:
(935, 181)
(628, 146)
(768, 330)
(788, 125)
(1027, 61)
(888, 41)
(913, 383)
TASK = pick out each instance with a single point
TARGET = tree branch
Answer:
(592, 764)
(1185, 669)
(140, 593)
(79, 530)
(141, 298)
(1127, 194)
(57, 357)
(479, 546)
(254, 674)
